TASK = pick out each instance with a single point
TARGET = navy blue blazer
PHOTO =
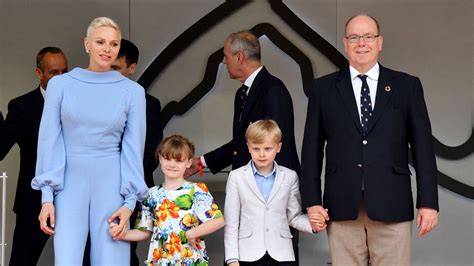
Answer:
(154, 135)
(377, 160)
(268, 98)
(22, 126)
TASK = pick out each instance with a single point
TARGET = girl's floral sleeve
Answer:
(203, 204)
(145, 215)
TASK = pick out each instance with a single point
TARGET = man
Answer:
(126, 64)
(262, 96)
(368, 116)
(21, 126)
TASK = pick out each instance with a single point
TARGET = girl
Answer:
(177, 213)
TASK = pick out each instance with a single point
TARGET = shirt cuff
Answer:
(203, 161)
(130, 202)
(47, 194)
(229, 261)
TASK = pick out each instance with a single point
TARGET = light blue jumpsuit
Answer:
(90, 153)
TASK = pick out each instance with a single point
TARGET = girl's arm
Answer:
(131, 235)
(203, 229)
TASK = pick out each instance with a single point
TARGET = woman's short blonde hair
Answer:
(175, 147)
(259, 130)
(102, 22)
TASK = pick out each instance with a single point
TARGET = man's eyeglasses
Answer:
(366, 38)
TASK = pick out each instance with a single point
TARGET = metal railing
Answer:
(4, 198)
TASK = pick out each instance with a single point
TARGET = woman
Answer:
(90, 152)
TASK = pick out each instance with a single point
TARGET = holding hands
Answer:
(318, 217)
(115, 231)
(119, 230)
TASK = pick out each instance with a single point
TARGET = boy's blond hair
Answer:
(175, 147)
(261, 129)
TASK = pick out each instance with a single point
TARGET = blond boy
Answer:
(262, 201)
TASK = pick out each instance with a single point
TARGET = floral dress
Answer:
(168, 214)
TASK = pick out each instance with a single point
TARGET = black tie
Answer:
(242, 99)
(365, 103)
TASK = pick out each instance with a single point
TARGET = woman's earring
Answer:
(87, 50)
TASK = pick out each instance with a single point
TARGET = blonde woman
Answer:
(90, 150)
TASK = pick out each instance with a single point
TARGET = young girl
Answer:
(178, 213)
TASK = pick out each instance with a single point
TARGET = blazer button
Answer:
(235, 153)
(359, 165)
(268, 230)
(364, 142)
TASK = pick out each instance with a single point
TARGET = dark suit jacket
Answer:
(379, 158)
(154, 135)
(267, 98)
(21, 126)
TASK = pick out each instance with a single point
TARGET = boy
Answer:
(262, 201)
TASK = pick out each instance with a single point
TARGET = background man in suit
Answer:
(261, 96)
(368, 116)
(21, 126)
(126, 64)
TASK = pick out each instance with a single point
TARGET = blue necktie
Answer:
(365, 103)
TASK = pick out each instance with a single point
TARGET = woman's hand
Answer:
(47, 212)
(122, 214)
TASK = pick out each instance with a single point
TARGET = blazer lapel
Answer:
(254, 94)
(279, 177)
(250, 179)
(384, 93)
(344, 85)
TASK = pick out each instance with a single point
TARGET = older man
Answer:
(261, 96)
(365, 118)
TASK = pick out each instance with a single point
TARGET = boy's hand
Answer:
(235, 263)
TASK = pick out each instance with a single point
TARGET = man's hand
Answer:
(122, 214)
(315, 214)
(193, 169)
(47, 212)
(317, 221)
(426, 220)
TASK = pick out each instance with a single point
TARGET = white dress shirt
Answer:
(372, 81)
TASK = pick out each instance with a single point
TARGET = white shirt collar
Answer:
(249, 81)
(373, 73)
(43, 91)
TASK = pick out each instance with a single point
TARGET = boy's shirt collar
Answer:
(256, 172)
